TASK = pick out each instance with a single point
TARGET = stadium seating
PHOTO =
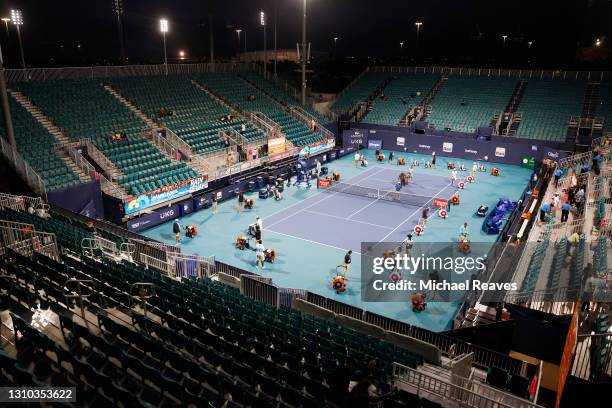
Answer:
(533, 271)
(196, 117)
(604, 110)
(37, 146)
(237, 92)
(465, 103)
(279, 94)
(84, 109)
(547, 107)
(400, 95)
(554, 276)
(359, 91)
(200, 342)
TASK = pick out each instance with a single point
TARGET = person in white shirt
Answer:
(260, 257)
(259, 222)
(318, 168)
(474, 170)
(31, 210)
(453, 177)
(357, 159)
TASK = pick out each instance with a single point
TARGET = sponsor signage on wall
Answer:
(312, 150)
(500, 152)
(401, 141)
(447, 147)
(276, 145)
(134, 204)
(156, 218)
(374, 144)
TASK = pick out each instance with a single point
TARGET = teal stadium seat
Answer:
(466, 103)
(84, 109)
(391, 109)
(359, 91)
(37, 146)
(547, 107)
(237, 91)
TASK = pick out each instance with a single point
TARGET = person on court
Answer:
(260, 256)
(433, 160)
(425, 216)
(213, 202)
(398, 187)
(474, 170)
(453, 177)
(347, 263)
(176, 228)
(357, 159)
(409, 244)
(240, 201)
(464, 232)
(410, 175)
(391, 156)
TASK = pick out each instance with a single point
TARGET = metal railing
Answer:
(593, 357)
(310, 122)
(558, 301)
(162, 144)
(499, 72)
(23, 169)
(576, 159)
(107, 186)
(22, 203)
(101, 160)
(250, 164)
(27, 241)
(44, 74)
(178, 143)
(426, 384)
(262, 122)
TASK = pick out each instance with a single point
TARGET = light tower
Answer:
(118, 9)
(163, 27)
(17, 19)
(262, 22)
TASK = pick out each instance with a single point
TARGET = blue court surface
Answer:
(312, 229)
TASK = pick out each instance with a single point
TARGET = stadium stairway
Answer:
(426, 102)
(53, 129)
(130, 105)
(591, 101)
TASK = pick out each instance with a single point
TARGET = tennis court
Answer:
(365, 208)
(311, 229)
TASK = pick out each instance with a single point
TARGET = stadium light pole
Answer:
(6, 110)
(335, 45)
(163, 27)
(304, 52)
(118, 9)
(6, 21)
(17, 19)
(504, 37)
(262, 22)
(418, 25)
(275, 47)
(238, 31)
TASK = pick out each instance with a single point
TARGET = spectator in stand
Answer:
(597, 159)
(162, 112)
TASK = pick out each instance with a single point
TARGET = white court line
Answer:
(315, 195)
(313, 204)
(311, 241)
(412, 215)
(345, 219)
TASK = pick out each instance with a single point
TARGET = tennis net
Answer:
(379, 194)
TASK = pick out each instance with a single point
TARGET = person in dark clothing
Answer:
(339, 380)
(391, 156)
(240, 201)
(257, 232)
(499, 310)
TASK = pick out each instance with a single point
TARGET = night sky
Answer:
(453, 31)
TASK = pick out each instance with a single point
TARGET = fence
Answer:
(262, 122)
(23, 169)
(492, 72)
(261, 289)
(21, 203)
(576, 160)
(24, 239)
(593, 358)
(45, 74)
(426, 384)
(96, 155)
(179, 144)
(559, 301)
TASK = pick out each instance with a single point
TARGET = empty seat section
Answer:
(466, 103)
(547, 107)
(359, 91)
(195, 116)
(604, 110)
(404, 92)
(239, 92)
(38, 147)
(84, 109)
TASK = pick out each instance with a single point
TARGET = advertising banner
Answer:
(311, 150)
(277, 145)
(440, 202)
(161, 195)
(374, 144)
(156, 218)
